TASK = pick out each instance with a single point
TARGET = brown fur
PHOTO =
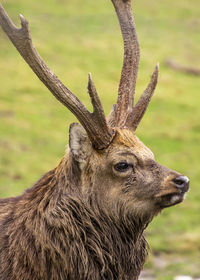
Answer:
(84, 221)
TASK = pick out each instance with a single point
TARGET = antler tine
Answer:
(106, 133)
(139, 109)
(131, 60)
(94, 123)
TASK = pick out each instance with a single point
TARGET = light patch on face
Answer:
(176, 198)
(129, 139)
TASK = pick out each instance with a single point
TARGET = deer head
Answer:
(113, 165)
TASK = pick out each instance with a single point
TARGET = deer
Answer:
(85, 219)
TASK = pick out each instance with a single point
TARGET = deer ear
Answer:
(79, 143)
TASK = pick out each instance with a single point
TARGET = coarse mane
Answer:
(84, 236)
(84, 220)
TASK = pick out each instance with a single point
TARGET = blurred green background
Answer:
(77, 37)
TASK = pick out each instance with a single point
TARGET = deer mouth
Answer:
(172, 199)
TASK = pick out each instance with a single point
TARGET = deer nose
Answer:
(182, 183)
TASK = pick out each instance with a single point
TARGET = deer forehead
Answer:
(126, 140)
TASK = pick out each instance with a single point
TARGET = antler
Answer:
(139, 109)
(123, 114)
(126, 115)
(94, 123)
(131, 60)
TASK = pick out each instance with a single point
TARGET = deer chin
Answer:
(171, 199)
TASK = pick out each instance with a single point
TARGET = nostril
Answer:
(181, 181)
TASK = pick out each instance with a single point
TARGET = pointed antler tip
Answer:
(24, 22)
(90, 82)
(90, 76)
(91, 86)
(156, 71)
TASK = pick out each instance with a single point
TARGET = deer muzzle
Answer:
(173, 191)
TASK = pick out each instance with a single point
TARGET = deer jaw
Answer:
(124, 177)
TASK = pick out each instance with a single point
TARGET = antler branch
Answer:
(94, 123)
(131, 60)
(139, 109)
(126, 114)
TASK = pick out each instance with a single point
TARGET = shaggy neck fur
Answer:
(53, 233)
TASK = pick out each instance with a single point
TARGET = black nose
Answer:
(182, 183)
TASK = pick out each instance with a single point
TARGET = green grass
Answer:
(77, 37)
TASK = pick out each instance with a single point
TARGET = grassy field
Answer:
(77, 37)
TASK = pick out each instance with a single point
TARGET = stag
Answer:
(85, 219)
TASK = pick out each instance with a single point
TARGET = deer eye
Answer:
(122, 166)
